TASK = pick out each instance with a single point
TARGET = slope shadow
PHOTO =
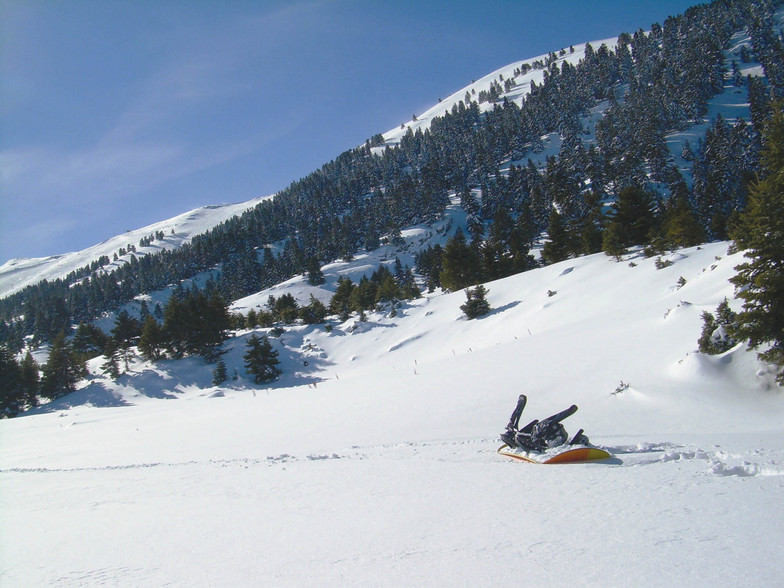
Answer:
(151, 384)
(94, 394)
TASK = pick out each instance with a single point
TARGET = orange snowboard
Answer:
(574, 455)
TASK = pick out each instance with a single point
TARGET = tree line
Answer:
(192, 323)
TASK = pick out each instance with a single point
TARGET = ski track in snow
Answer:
(721, 462)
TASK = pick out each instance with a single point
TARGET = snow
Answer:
(16, 274)
(376, 463)
(516, 94)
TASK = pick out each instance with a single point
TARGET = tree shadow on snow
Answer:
(94, 394)
(501, 309)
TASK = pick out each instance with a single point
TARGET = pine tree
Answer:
(62, 371)
(286, 308)
(111, 365)
(341, 299)
(261, 360)
(559, 240)
(176, 327)
(461, 264)
(633, 216)
(315, 275)
(88, 341)
(716, 336)
(151, 341)
(126, 332)
(590, 239)
(388, 290)
(760, 281)
(144, 312)
(11, 393)
(682, 228)
(219, 374)
(476, 304)
(612, 241)
(30, 379)
(212, 316)
(314, 313)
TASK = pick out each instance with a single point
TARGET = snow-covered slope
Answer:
(372, 461)
(16, 274)
(517, 94)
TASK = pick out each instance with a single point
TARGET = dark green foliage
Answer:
(315, 275)
(612, 241)
(380, 289)
(242, 274)
(363, 295)
(196, 324)
(284, 309)
(144, 312)
(681, 228)
(722, 170)
(62, 371)
(559, 242)
(126, 332)
(89, 341)
(631, 220)
(111, 365)
(340, 304)
(30, 379)
(12, 398)
(760, 280)
(590, 227)
(461, 264)
(429, 263)
(261, 360)
(476, 303)
(151, 342)
(314, 313)
(19, 383)
(219, 374)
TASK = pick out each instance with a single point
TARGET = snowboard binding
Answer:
(539, 436)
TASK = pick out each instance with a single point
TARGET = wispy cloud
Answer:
(198, 105)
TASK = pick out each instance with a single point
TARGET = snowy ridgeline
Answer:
(372, 460)
(16, 274)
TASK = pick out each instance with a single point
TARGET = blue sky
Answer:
(117, 114)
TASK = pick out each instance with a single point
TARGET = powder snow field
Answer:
(375, 463)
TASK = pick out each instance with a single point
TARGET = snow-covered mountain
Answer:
(16, 274)
(731, 104)
(522, 72)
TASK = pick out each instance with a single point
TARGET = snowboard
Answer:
(563, 454)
